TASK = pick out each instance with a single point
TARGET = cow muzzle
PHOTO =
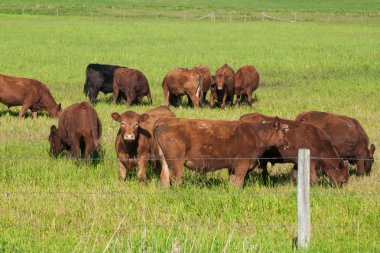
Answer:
(129, 137)
(220, 88)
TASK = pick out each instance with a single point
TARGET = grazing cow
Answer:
(180, 82)
(204, 71)
(79, 130)
(29, 93)
(207, 145)
(304, 136)
(222, 86)
(99, 77)
(246, 82)
(131, 85)
(347, 135)
(134, 143)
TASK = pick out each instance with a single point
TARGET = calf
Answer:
(131, 85)
(326, 158)
(99, 77)
(246, 82)
(204, 71)
(180, 82)
(79, 130)
(134, 144)
(29, 93)
(347, 136)
(222, 86)
(207, 145)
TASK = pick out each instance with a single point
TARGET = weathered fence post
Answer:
(303, 204)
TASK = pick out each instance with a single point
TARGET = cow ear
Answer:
(143, 117)
(115, 116)
(53, 129)
(212, 80)
(276, 123)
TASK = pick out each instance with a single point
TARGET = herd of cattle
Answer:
(171, 143)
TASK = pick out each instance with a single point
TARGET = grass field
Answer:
(49, 205)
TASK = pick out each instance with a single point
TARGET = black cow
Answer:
(99, 77)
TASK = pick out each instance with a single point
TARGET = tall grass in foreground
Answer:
(54, 205)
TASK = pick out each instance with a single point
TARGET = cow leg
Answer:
(223, 105)
(89, 150)
(131, 97)
(313, 173)
(190, 102)
(195, 100)
(149, 96)
(93, 95)
(249, 96)
(34, 114)
(238, 97)
(212, 101)
(24, 109)
(75, 149)
(142, 163)
(239, 172)
(177, 168)
(122, 171)
(166, 97)
(115, 93)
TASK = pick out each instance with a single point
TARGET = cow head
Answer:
(278, 138)
(218, 82)
(57, 110)
(129, 124)
(369, 160)
(56, 145)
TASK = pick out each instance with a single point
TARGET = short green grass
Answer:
(49, 205)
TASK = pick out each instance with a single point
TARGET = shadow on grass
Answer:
(27, 114)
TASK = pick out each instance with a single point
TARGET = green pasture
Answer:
(53, 205)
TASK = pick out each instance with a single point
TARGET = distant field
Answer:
(50, 205)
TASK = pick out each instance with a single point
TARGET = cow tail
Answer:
(165, 172)
(96, 128)
(200, 90)
(85, 87)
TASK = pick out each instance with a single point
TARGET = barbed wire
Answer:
(173, 193)
(203, 225)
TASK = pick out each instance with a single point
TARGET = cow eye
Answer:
(122, 124)
(137, 125)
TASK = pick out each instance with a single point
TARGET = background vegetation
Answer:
(54, 205)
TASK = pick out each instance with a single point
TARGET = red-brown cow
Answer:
(307, 136)
(222, 86)
(180, 82)
(29, 93)
(131, 85)
(204, 71)
(134, 143)
(347, 135)
(247, 80)
(79, 130)
(207, 145)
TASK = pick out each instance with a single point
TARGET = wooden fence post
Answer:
(303, 204)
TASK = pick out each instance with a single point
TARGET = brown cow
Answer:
(204, 71)
(131, 85)
(304, 136)
(134, 144)
(79, 130)
(207, 145)
(29, 93)
(222, 86)
(347, 135)
(246, 82)
(179, 82)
